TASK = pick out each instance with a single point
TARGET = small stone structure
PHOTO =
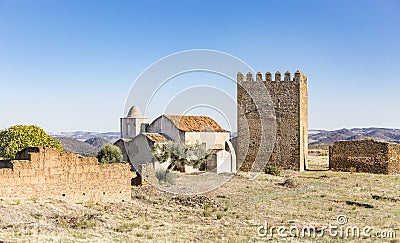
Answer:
(289, 99)
(38, 172)
(365, 156)
(148, 173)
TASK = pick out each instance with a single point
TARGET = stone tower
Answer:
(133, 124)
(289, 98)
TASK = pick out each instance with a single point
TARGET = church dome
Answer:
(134, 112)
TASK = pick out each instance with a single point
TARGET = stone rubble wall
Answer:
(39, 172)
(394, 159)
(367, 156)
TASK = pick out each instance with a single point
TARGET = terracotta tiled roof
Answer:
(156, 137)
(195, 123)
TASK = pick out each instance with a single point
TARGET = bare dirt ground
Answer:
(232, 213)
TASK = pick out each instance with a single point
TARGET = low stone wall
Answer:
(365, 156)
(38, 172)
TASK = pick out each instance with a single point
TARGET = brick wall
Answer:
(38, 172)
(365, 156)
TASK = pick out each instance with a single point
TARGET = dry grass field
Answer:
(231, 213)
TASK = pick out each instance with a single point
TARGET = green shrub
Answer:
(272, 170)
(206, 213)
(109, 154)
(37, 216)
(165, 176)
(206, 210)
(126, 227)
(290, 182)
(86, 221)
(19, 137)
(86, 224)
(352, 169)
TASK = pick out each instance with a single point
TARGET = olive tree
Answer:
(109, 154)
(180, 154)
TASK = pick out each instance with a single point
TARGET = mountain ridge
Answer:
(315, 136)
(84, 136)
(328, 137)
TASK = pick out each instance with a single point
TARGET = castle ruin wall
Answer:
(39, 172)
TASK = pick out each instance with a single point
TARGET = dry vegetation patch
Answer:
(232, 212)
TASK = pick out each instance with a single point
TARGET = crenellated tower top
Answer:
(298, 77)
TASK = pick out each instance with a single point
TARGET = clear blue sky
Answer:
(69, 65)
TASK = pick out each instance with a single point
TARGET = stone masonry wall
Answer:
(394, 159)
(290, 102)
(38, 172)
(365, 156)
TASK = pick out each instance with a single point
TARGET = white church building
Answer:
(138, 137)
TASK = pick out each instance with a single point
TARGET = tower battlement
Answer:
(298, 77)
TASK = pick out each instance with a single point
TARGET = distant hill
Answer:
(97, 142)
(85, 143)
(323, 137)
(78, 147)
